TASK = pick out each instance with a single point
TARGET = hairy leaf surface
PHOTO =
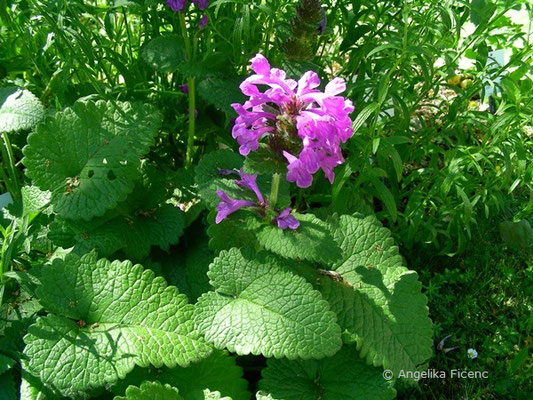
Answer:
(262, 307)
(344, 376)
(88, 156)
(312, 240)
(379, 301)
(19, 109)
(151, 391)
(218, 372)
(110, 316)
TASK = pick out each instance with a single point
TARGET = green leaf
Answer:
(209, 180)
(218, 372)
(88, 156)
(31, 388)
(164, 53)
(378, 301)
(385, 195)
(260, 306)
(7, 387)
(344, 376)
(134, 233)
(221, 92)
(19, 110)
(124, 316)
(5, 363)
(151, 391)
(363, 116)
(263, 161)
(311, 241)
(209, 395)
(243, 227)
(34, 199)
(355, 32)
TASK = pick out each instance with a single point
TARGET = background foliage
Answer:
(446, 168)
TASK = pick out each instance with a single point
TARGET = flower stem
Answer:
(274, 190)
(190, 135)
(192, 96)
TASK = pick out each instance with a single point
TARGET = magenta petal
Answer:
(260, 65)
(249, 181)
(228, 206)
(285, 220)
(335, 87)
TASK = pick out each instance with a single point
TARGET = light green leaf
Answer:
(260, 306)
(34, 199)
(31, 388)
(311, 241)
(164, 53)
(88, 156)
(151, 391)
(209, 395)
(110, 317)
(379, 301)
(344, 376)
(19, 109)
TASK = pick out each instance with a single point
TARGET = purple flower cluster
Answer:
(228, 206)
(179, 5)
(297, 118)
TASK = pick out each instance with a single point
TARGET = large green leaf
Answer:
(164, 53)
(260, 306)
(109, 316)
(242, 227)
(378, 301)
(151, 391)
(344, 376)
(19, 109)
(209, 179)
(7, 387)
(218, 372)
(222, 92)
(88, 156)
(312, 240)
(133, 233)
(264, 161)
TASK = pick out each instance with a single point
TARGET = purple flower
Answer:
(228, 206)
(249, 182)
(202, 4)
(322, 25)
(177, 5)
(184, 88)
(304, 125)
(203, 21)
(286, 220)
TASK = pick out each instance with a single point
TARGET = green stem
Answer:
(9, 159)
(185, 35)
(192, 95)
(274, 190)
(192, 107)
